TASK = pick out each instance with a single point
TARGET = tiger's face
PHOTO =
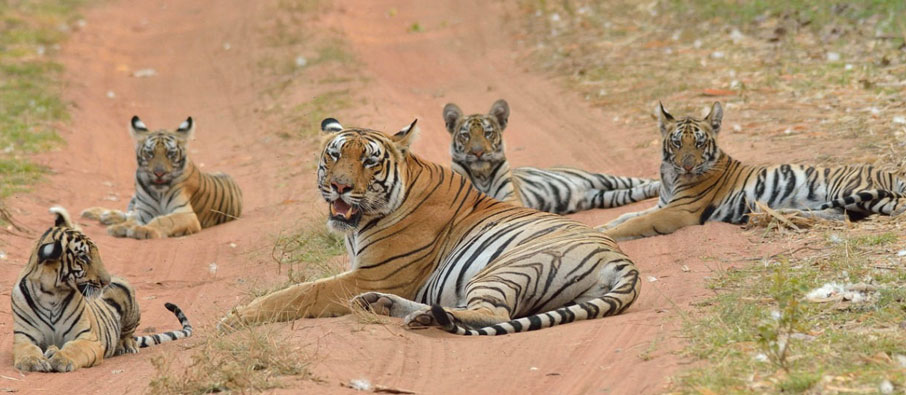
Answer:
(161, 155)
(477, 138)
(689, 144)
(361, 173)
(66, 260)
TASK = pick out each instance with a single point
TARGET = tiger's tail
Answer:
(878, 201)
(612, 303)
(151, 340)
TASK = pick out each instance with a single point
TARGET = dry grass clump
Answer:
(251, 359)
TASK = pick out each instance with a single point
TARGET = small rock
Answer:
(555, 17)
(697, 44)
(652, 279)
(212, 267)
(737, 128)
(900, 120)
(360, 384)
(833, 57)
(886, 387)
(685, 268)
(143, 73)
(117, 371)
(227, 46)
(736, 36)
(848, 67)
(232, 245)
(111, 95)
(717, 55)
(301, 61)
(901, 359)
(760, 357)
(533, 368)
(901, 253)
(2, 255)
(776, 315)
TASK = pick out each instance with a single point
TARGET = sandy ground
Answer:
(466, 55)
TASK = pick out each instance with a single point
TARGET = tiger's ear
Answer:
(663, 118)
(49, 252)
(404, 138)
(715, 117)
(137, 127)
(452, 113)
(186, 128)
(331, 125)
(62, 218)
(501, 112)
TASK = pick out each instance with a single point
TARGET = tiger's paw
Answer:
(118, 230)
(142, 232)
(375, 302)
(93, 213)
(127, 346)
(420, 319)
(33, 363)
(61, 363)
(231, 323)
(112, 217)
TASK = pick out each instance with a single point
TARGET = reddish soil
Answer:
(466, 55)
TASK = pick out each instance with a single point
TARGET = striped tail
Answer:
(151, 340)
(612, 303)
(878, 201)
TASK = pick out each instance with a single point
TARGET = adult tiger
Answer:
(699, 182)
(172, 196)
(68, 313)
(478, 153)
(428, 247)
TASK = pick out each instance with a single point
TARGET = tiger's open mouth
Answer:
(343, 212)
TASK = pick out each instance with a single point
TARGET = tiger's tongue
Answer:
(340, 207)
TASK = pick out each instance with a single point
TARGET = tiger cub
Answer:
(429, 248)
(172, 196)
(700, 182)
(68, 313)
(478, 153)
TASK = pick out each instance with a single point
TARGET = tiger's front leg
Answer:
(78, 353)
(655, 222)
(328, 297)
(174, 224)
(625, 217)
(105, 216)
(27, 356)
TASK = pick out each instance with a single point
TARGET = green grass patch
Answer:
(762, 334)
(30, 34)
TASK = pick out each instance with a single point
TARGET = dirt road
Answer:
(204, 55)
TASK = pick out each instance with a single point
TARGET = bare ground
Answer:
(464, 53)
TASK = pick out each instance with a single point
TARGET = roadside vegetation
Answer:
(31, 33)
(816, 82)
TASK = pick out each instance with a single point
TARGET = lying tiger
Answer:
(428, 247)
(478, 153)
(699, 183)
(172, 196)
(68, 313)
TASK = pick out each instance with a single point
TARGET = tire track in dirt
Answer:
(465, 55)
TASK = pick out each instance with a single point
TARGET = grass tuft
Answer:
(30, 34)
(251, 359)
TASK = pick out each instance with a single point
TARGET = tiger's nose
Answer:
(340, 188)
(159, 173)
(478, 153)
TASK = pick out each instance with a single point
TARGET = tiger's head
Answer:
(361, 173)
(161, 154)
(477, 138)
(65, 259)
(690, 145)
